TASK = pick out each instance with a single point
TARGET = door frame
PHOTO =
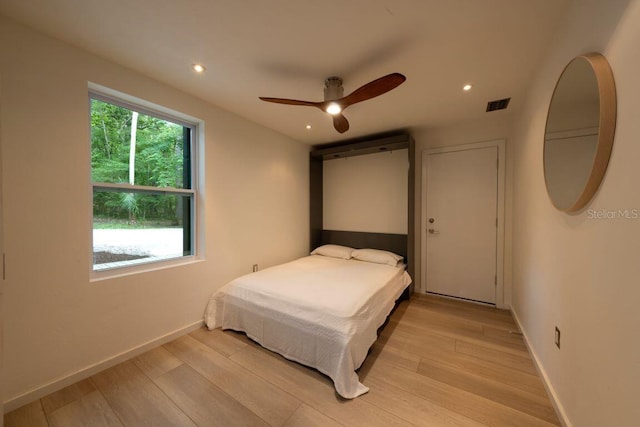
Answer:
(500, 145)
(2, 272)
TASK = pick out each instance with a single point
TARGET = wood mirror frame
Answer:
(582, 194)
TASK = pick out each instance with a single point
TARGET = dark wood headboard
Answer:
(396, 243)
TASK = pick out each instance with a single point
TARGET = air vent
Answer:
(500, 104)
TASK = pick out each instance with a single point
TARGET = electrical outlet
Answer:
(255, 267)
(557, 337)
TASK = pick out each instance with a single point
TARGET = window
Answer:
(142, 178)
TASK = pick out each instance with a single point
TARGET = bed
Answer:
(322, 310)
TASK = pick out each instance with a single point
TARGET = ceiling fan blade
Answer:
(372, 89)
(340, 123)
(292, 102)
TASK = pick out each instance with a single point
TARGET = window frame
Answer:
(131, 103)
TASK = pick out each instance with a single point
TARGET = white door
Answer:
(462, 197)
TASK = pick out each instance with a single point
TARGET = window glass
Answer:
(142, 187)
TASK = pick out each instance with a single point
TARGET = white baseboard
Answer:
(562, 415)
(88, 371)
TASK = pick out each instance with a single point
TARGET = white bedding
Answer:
(320, 311)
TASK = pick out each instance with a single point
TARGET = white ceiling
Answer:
(286, 48)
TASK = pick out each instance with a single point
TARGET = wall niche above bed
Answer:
(376, 190)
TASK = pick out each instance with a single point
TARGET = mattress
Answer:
(320, 311)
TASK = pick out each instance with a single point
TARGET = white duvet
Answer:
(320, 311)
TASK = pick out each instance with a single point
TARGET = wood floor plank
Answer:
(314, 389)
(419, 344)
(67, 395)
(463, 318)
(515, 361)
(224, 342)
(504, 394)
(438, 319)
(457, 305)
(487, 369)
(464, 310)
(454, 399)
(306, 416)
(136, 400)
(269, 402)
(391, 354)
(90, 410)
(30, 415)
(477, 339)
(156, 362)
(203, 402)
(510, 336)
(425, 325)
(412, 408)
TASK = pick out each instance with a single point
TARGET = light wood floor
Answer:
(437, 362)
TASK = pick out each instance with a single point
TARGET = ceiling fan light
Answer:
(333, 108)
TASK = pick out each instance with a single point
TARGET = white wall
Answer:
(57, 323)
(366, 193)
(574, 271)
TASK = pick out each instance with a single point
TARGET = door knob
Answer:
(433, 231)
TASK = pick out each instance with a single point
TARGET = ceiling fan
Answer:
(334, 103)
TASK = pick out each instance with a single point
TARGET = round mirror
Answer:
(579, 132)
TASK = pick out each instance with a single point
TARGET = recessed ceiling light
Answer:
(467, 87)
(199, 68)
(308, 127)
